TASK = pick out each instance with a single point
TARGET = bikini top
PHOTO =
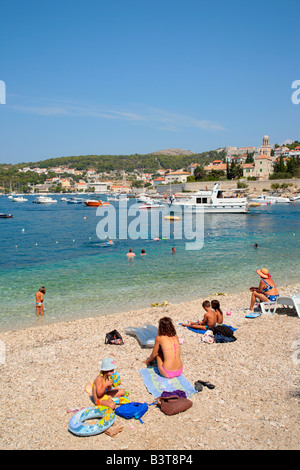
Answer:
(268, 287)
(174, 348)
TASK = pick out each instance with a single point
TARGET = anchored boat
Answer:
(94, 203)
(212, 202)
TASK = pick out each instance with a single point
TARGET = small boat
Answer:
(95, 203)
(44, 200)
(6, 216)
(19, 199)
(295, 198)
(254, 204)
(172, 217)
(144, 198)
(75, 200)
(151, 205)
(269, 199)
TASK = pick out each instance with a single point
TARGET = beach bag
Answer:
(113, 337)
(223, 334)
(172, 405)
(132, 410)
(223, 330)
(208, 337)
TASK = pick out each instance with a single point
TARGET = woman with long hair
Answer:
(166, 350)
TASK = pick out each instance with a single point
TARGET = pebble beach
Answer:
(254, 405)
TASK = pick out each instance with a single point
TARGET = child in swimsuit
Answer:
(209, 319)
(215, 305)
(103, 392)
(39, 301)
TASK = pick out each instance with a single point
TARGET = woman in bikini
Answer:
(266, 291)
(166, 350)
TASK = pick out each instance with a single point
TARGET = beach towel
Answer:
(195, 330)
(156, 384)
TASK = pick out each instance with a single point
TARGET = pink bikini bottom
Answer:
(173, 373)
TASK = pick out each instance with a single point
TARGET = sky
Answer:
(88, 77)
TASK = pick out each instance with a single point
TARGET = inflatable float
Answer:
(145, 334)
(172, 217)
(105, 415)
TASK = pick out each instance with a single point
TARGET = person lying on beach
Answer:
(103, 393)
(215, 305)
(209, 319)
(39, 301)
(166, 350)
(266, 291)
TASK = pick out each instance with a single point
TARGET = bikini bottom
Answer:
(173, 373)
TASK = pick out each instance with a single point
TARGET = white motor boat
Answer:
(19, 199)
(295, 198)
(144, 198)
(44, 200)
(152, 205)
(211, 202)
(268, 199)
(75, 200)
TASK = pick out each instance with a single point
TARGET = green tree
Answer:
(199, 173)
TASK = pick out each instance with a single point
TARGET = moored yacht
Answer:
(44, 200)
(19, 199)
(268, 199)
(212, 201)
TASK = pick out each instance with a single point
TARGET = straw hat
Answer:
(264, 273)
(107, 364)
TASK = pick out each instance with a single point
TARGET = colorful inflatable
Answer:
(77, 424)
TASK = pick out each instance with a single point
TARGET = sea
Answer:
(58, 246)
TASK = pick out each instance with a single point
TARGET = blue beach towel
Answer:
(201, 332)
(157, 384)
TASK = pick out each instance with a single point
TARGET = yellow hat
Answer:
(264, 273)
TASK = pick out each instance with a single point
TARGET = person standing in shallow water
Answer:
(39, 301)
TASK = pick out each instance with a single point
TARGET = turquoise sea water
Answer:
(57, 246)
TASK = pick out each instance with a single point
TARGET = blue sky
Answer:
(125, 77)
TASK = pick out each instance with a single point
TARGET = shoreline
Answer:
(253, 406)
(56, 321)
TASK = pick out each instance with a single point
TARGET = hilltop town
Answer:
(171, 166)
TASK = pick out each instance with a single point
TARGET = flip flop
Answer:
(206, 384)
(198, 386)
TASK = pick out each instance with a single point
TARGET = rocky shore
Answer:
(254, 405)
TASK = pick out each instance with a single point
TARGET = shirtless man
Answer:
(209, 319)
(39, 301)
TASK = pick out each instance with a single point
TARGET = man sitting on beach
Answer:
(209, 319)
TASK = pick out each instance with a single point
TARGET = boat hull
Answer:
(96, 203)
(208, 208)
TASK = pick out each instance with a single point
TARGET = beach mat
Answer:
(201, 332)
(156, 384)
(253, 315)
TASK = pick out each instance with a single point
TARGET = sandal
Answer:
(206, 384)
(198, 386)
